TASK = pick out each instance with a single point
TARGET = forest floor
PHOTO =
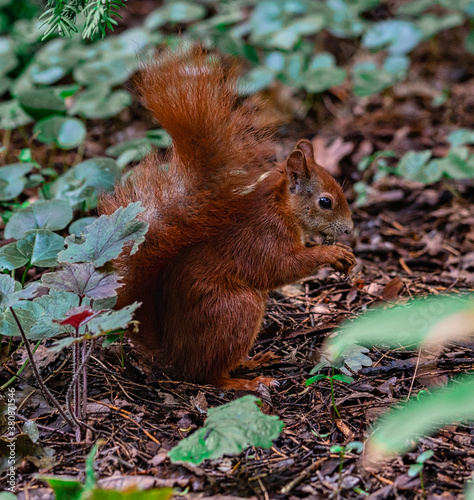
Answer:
(410, 240)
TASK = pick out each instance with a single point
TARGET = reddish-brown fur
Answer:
(226, 225)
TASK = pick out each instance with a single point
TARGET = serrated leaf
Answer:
(41, 246)
(104, 239)
(85, 181)
(355, 358)
(54, 308)
(83, 280)
(44, 214)
(229, 429)
(11, 291)
(27, 313)
(113, 320)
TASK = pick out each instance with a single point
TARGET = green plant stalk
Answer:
(22, 367)
(422, 483)
(27, 268)
(332, 394)
(40, 381)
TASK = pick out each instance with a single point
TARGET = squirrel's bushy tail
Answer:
(193, 96)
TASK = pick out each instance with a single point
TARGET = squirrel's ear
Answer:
(307, 148)
(296, 170)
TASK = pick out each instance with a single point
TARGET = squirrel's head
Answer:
(316, 198)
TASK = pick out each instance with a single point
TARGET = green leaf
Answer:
(100, 102)
(369, 79)
(288, 36)
(355, 358)
(66, 133)
(255, 80)
(229, 429)
(455, 165)
(5, 495)
(103, 240)
(11, 291)
(415, 469)
(412, 166)
(83, 280)
(12, 180)
(319, 80)
(461, 137)
(408, 325)
(11, 258)
(397, 36)
(77, 227)
(27, 313)
(423, 457)
(40, 103)
(175, 12)
(44, 214)
(64, 488)
(356, 446)
(85, 181)
(341, 377)
(111, 71)
(316, 378)
(429, 24)
(417, 418)
(113, 320)
(154, 494)
(12, 115)
(54, 307)
(41, 247)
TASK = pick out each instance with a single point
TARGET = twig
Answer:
(43, 387)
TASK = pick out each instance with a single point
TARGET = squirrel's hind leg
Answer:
(221, 328)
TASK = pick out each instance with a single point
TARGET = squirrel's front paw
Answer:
(344, 259)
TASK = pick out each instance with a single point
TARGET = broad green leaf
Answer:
(397, 36)
(424, 321)
(100, 102)
(85, 181)
(113, 320)
(455, 165)
(11, 257)
(66, 133)
(12, 115)
(103, 240)
(395, 432)
(6, 495)
(83, 280)
(229, 429)
(316, 378)
(40, 103)
(461, 137)
(41, 246)
(414, 7)
(111, 71)
(12, 179)
(11, 291)
(288, 36)
(355, 358)
(319, 80)
(369, 79)
(27, 313)
(43, 214)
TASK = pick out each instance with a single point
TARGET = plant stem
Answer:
(422, 483)
(42, 385)
(22, 367)
(27, 268)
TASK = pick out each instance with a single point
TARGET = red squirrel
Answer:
(227, 225)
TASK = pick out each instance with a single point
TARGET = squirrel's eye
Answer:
(325, 203)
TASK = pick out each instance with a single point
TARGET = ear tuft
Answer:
(307, 148)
